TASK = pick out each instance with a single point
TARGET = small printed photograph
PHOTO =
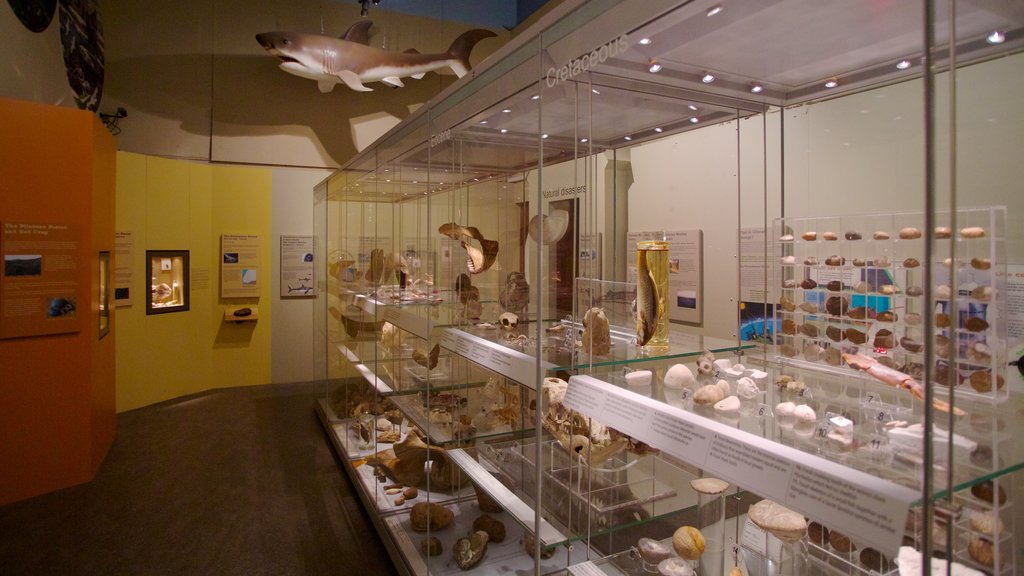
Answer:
(673, 265)
(61, 307)
(248, 277)
(121, 293)
(307, 257)
(166, 265)
(231, 257)
(23, 265)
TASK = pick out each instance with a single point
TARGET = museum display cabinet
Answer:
(674, 287)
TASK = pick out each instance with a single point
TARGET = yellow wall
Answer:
(176, 205)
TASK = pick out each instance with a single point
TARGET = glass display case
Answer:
(690, 287)
(168, 271)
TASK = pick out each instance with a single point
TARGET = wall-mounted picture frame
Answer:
(104, 295)
(169, 284)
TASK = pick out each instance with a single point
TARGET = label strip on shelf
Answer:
(549, 535)
(348, 354)
(493, 356)
(871, 510)
(413, 409)
(587, 568)
(370, 377)
(417, 324)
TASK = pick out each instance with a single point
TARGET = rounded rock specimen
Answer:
(841, 542)
(915, 291)
(834, 356)
(680, 376)
(858, 313)
(986, 491)
(468, 552)
(776, 519)
(880, 235)
(786, 238)
(981, 551)
(786, 304)
(708, 395)
(834, 333)
(789, 283)
(888, 289)
(709, 486)
(830, 236)
(911, 263)
(852, 235)
(728, 405)
(431, 546)
(981, 263)
(856, 336)
(943, 292)
(987, 523)
(909, 233)
(837, 305)
(884, 339)
(494, 528)
(817, 533)
(810, 261)
(941, 320)
(789, 260)
(975, 324)
(809, 330)
(835, 286)
(972, 232)
(887, 316)
(982, 381)
(410, 493)
(808, 284)
(675, 567)
(809, 307)
(638, 378)
(809, 236)
(911, 345)
(943, 232)
(880, 262)
(724, 385)
(688, 542)
(805, 413)
(788, 327)
(746, 388)
(653, 551)
(874, 560)
(529, 541)
(860, 262)
(429, 516)
(812, 351)
(982, 293)
(913, 319)
(835, 260)
(785, 409)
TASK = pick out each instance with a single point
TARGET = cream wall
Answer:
(175, 205)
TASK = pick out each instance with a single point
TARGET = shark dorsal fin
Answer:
(411, 51)
(358, 32)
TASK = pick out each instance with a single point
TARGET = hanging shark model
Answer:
(351, 60)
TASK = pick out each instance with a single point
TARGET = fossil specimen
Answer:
(880, 235)
(972, 232)
(830, 236)
(688, 542)
(478, 259)
(943, 232)
(428, 361)
(515, 296)
(430, 516)
(649, 304)
(468, 552)
(596, 337)
(910, 233)
(853, 235)
(549, 229)
(494, 528)
(706, 362)
(809, 236)
(776, 519)
(508, 321)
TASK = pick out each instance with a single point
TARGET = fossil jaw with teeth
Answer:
(477, 259)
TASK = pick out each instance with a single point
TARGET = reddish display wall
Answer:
(57, 396)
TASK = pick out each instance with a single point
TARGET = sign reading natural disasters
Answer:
(39, 287)
(240, 266)
(297, 266)
(124, 252)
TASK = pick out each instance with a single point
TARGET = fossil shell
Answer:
(786, 238)
(880, 235)
(835, 260)
(550, 228)
(987, 522)
(809, 307)
(653, 551)
(675, 566)
(679, 376)
(786, 304)
(817, 533)
(972, 232)
(810, 261)
(880, 262)
(708, 395)
(852, 235)
(855, 336)
(987, 492)
(709, 486)
(789, 283)
(942, 347)
(728, 404)
(788, 326)
(884, 339)
(688, 542)
(981, 263)
(494, 528)
(910, 345)
(943, 232)
(837, 305)
(943, 292)
(975, 324)
(808, 284)
(809, 330)
(982, 293)
(835, 286)
(909, 233)
(809, 236)
(861, 287)
(914, 291)
(429, 516)
(776, 519)
(789, 260)
(830, 236)
(469, 551)
(911, 263)
(859, 262)
(887, 316)
(941, 320)
(841, 542)
(982, 381)
(834, 333)
(888, 289)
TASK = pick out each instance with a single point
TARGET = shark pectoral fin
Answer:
(393, 81)
(325, 86)
(411, 51)
(419, 76)
(351, 79)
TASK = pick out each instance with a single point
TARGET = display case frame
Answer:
(501, 154)
(167, 266)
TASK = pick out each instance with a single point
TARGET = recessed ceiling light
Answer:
(714, 10)
(655, 67)
(543, 135)
(756, 88)
(504, 130)
(584, 140)
(507, 110)
(483, 121)
(903, 64)
(594, 90)
(692, 107)
(832, 83)
(707, 78)
(535, 97)
(996, 37)
(628, 138)
(658, 130)
(415, 181)
(645, 41)
(694, 120)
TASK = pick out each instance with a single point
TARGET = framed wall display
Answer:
(297, 267)
(104, 295)
(39, 285)
(240, 264)
(167, 271)
(124, 248)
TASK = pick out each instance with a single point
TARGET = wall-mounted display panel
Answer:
(240, 266)
(124, 275)
(168, 273)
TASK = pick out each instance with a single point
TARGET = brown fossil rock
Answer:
(426, 516)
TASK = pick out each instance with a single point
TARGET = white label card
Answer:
(491, 355)
(587, 568)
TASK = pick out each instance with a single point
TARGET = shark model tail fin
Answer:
(462, 46)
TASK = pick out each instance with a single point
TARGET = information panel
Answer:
(240, 266)
(124, 260)
(298, 275)
(39, 287)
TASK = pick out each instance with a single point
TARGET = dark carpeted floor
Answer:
(233, 481)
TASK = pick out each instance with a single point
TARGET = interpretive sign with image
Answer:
(39, 286)
(124, 246)
(297, 266)
(240, 264)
